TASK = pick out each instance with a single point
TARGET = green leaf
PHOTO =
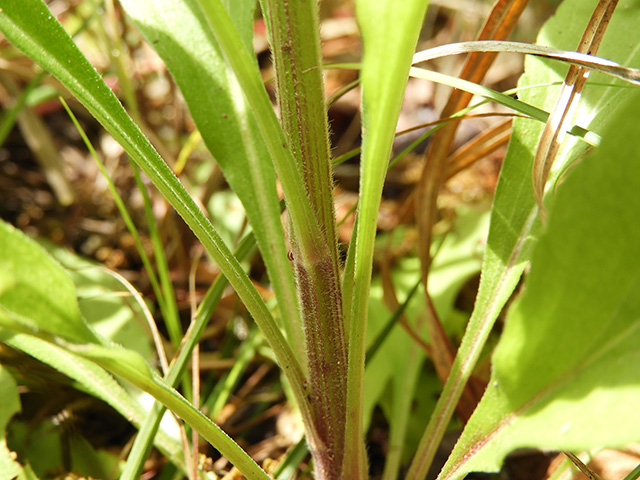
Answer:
(389, 34)
(89, 462)
(35, 291)
(9, 406)
(242, 13)
(565, 371)
(27, 473)
(131, 366)
(134, 369)
(39, 445)
(456, 261)
(514, 218)
(513, 221)
(178, 33)
(394, 365)
(125, 363)
(142, 443)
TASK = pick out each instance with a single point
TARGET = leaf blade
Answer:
(553, 378)
(36, 291)
(10, 406)
(389, 33)
(227, 124)
(95, 380)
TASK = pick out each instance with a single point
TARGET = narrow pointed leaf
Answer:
(130, 366)
(226, 121)
(389, 33)
(95, 381)
(30, 26)
(242, 13)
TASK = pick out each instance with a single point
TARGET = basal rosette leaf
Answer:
(565, 371)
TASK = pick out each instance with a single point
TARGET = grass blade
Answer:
(228, 127)
(131, 366)
(95, 381)
(144, 439)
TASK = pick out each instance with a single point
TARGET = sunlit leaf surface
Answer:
(565, 371)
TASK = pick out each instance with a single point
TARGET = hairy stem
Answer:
(294, 34)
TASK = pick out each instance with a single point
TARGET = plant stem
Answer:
(313, 252)
(294, 34)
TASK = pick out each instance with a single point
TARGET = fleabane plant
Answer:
(570, 344)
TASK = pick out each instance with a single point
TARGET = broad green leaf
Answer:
(40, 445)
(514, 218)
(9, 406)
(90, 462)
(35, 291)
(513, 221)
(565, 371)
(226, 121)
(389, 32)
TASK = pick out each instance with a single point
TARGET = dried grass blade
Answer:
(479, 147)
(590, 474)
(567, 100)
(501, 21)
(499, 24)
